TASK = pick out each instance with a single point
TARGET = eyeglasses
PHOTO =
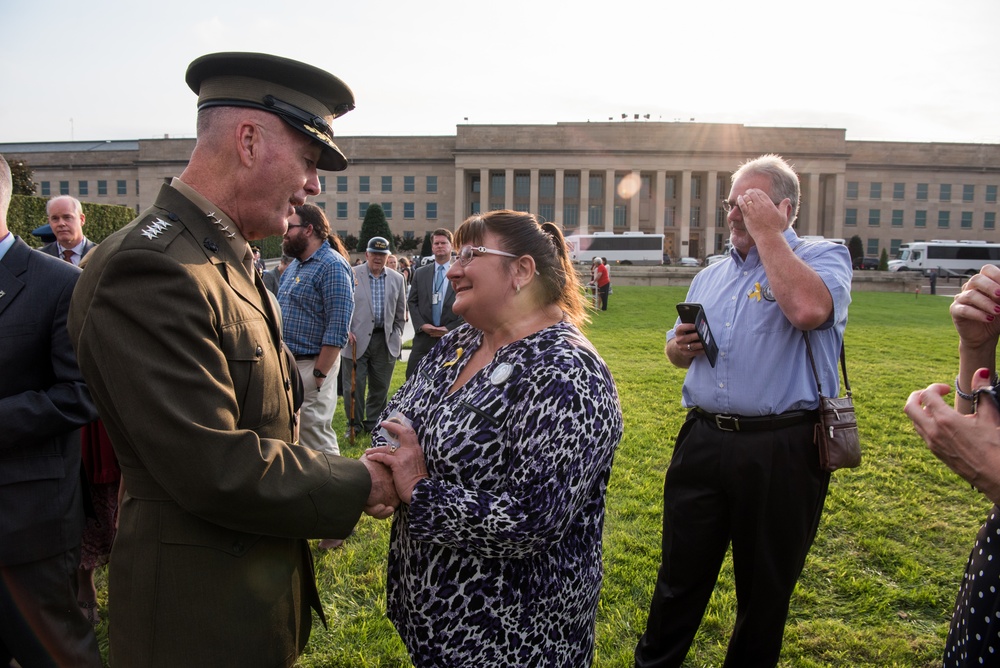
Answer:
(467, 253)
(290, 226)
(728, 206)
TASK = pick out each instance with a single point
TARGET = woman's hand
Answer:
(976, 309)
(406, 461)
(968, 444)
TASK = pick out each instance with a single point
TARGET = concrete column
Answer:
(711, 200)
(810, 200)
(585, 201)
(484, 190)
(461, 210)
(838, 206)
(533, 192)
(609, 200)
(633, 205)
(508, 182)
(659, 201)
(684, 214)
(560, 194)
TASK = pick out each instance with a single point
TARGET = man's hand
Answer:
(431, 330)
(382, 500)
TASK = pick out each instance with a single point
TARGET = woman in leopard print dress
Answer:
(496, 553)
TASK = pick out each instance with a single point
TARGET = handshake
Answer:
(395, 469)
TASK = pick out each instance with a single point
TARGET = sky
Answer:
(883, 70)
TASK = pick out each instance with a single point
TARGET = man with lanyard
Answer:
(431, 298)
(745, 468)
(376, 336)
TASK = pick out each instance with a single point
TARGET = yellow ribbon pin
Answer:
(458, 356)
(755, 292)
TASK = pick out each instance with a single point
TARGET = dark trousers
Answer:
(603, 292)
(41, 623)
(374, 372)
(422, 344)
(762, 491)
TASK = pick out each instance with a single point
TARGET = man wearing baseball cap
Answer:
(181, 348)
(376, 336)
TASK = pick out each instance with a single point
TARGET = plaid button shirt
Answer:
(317, 301)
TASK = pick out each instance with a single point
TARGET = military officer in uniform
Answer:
(181, 347)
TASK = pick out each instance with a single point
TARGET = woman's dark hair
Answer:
(521, 233)
(313, 215)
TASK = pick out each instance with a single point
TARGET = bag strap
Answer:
(812, 364)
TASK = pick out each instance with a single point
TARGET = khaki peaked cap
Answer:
(305, 97)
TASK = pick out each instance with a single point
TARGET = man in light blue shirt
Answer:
(745, 468)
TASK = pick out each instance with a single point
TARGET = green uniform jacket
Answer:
(181, 351)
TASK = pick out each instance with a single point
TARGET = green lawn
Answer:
(880, 582)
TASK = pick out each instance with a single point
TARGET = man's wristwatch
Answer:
(318, 374)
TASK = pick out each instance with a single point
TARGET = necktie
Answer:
(68, 255)
(438, 297)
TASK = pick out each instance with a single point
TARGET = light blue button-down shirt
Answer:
(762, 368)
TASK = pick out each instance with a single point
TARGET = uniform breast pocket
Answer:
(255, 370)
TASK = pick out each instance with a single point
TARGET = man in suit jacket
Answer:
(44, 403)
(66, 221)
(376, 336)
(181, 347)
(431, 299)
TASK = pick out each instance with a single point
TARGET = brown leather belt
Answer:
(757, 422)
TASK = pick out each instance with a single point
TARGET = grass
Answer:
(881, 579)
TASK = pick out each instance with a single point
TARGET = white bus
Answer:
(626, 248)
(946, 257)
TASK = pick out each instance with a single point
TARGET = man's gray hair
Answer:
(6, 188)
(784, 180)
(77, 207)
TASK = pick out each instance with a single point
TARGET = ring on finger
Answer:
(689, 346)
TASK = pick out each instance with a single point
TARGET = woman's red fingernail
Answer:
(990, 318)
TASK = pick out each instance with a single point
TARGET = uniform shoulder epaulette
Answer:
(154, 230)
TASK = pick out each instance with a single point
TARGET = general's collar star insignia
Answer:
(218, 223)
(155, 228)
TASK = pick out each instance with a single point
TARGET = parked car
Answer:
(866, 263)
(689, 262)
(712, 259)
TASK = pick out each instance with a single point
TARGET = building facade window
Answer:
(894, 245)
(321, 205)
(387, 184)
(387, 208)
(670, 187)
(45, 188)
(341, 184)
(696, 216)
(944, 219)
(432, 184)
(852, 190)
(850, 217)
(945, 192)
(595, 188)
(595, 216)
(990, 220)
(899, 191)
(695, 187)
(875, 190)
(991, 194)
(547, 185)
(874, 217)
(409, 234)
(872, 247)
(409, 210)
(966, 220)
(921, 219)
(669, 216)
(969, 193)
(897, 217)
(409, 184)
(102, 188)
(522, 186)
(362, 209)
(342, 210)
(322, 184)
(571, 215)
(64, 187)
(621, 215)
(84, 188)
(432, 210)
(571, 186)
(547, 212)
(122, 187)
(922, 192)
(364, 184)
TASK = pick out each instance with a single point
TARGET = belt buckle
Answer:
(727, 422)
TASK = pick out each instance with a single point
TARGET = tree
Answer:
(857, 249)
(425, 249)
(22, 177)
(883, 261)
(375, 225)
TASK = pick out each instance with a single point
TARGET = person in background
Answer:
(66, 220)
(495, 556)
(258, 263)
(601, 279)
(45, 402)
(272, 277)
(392, 262)
(745, 468)
(967, 439)
(431, 299)
(210, 565)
